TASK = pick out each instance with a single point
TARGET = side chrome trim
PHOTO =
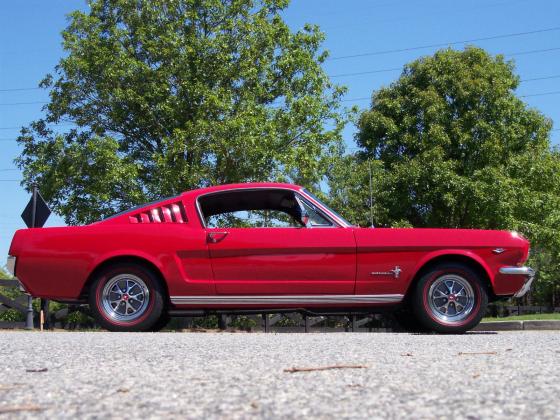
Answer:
(274, 300)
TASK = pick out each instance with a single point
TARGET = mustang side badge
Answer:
(395, 272)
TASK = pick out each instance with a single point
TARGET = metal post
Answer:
(266, 322)
(34, 206)
(45, 309)
(222, 322)
(307, 323)
(29, 317)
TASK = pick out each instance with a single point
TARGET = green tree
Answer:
(4, 274)
(168, 95)
(451, 145)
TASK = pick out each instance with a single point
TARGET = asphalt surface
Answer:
(230, 376)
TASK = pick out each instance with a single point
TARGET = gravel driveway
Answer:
(225, 375)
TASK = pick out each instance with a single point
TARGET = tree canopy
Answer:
(168, 95)
(449, 144)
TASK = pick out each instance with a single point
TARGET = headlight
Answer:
(516, 234)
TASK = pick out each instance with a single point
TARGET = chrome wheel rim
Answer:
(125, 297)
(451, 298)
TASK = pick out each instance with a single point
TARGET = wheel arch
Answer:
(124, 259)
(470, 260)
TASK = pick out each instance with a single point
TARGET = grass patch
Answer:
(531, 317)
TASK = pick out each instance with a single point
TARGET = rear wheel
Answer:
(450, 298)
(127, 297)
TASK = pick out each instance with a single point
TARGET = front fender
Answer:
(473, 256)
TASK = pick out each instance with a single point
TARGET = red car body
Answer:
(260, 267)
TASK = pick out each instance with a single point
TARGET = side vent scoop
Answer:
(169, 213)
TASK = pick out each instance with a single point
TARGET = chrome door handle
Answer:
(215, 237)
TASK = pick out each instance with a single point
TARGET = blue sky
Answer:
(30, 48)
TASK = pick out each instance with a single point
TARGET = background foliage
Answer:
(449, 144)
(170, 95)
(10, 315)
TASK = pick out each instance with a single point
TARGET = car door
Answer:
(283, 260)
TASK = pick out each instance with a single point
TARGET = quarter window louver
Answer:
(169, 213)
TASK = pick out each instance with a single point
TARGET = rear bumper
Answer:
(527, 272)
(11, 265)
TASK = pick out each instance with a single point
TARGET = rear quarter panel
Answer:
(56, 262)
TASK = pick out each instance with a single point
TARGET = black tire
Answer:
(127, 297)
(450, 298)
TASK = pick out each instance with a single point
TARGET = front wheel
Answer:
(450, 298)
(127, 297)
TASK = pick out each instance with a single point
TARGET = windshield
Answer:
(314, 197)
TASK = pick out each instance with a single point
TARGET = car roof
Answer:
(246, 185)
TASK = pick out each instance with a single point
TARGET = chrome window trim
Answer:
(300, 191)
(301, 200)
(284, 299)
(332, 216)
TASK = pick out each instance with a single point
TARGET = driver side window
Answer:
(260, 207)
(251, 208)
(252, 219)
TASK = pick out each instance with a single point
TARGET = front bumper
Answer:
(528, 272)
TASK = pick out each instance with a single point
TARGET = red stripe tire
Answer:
(127, 297)
(450, 298)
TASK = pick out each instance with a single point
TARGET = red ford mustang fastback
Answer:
(266, 247)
